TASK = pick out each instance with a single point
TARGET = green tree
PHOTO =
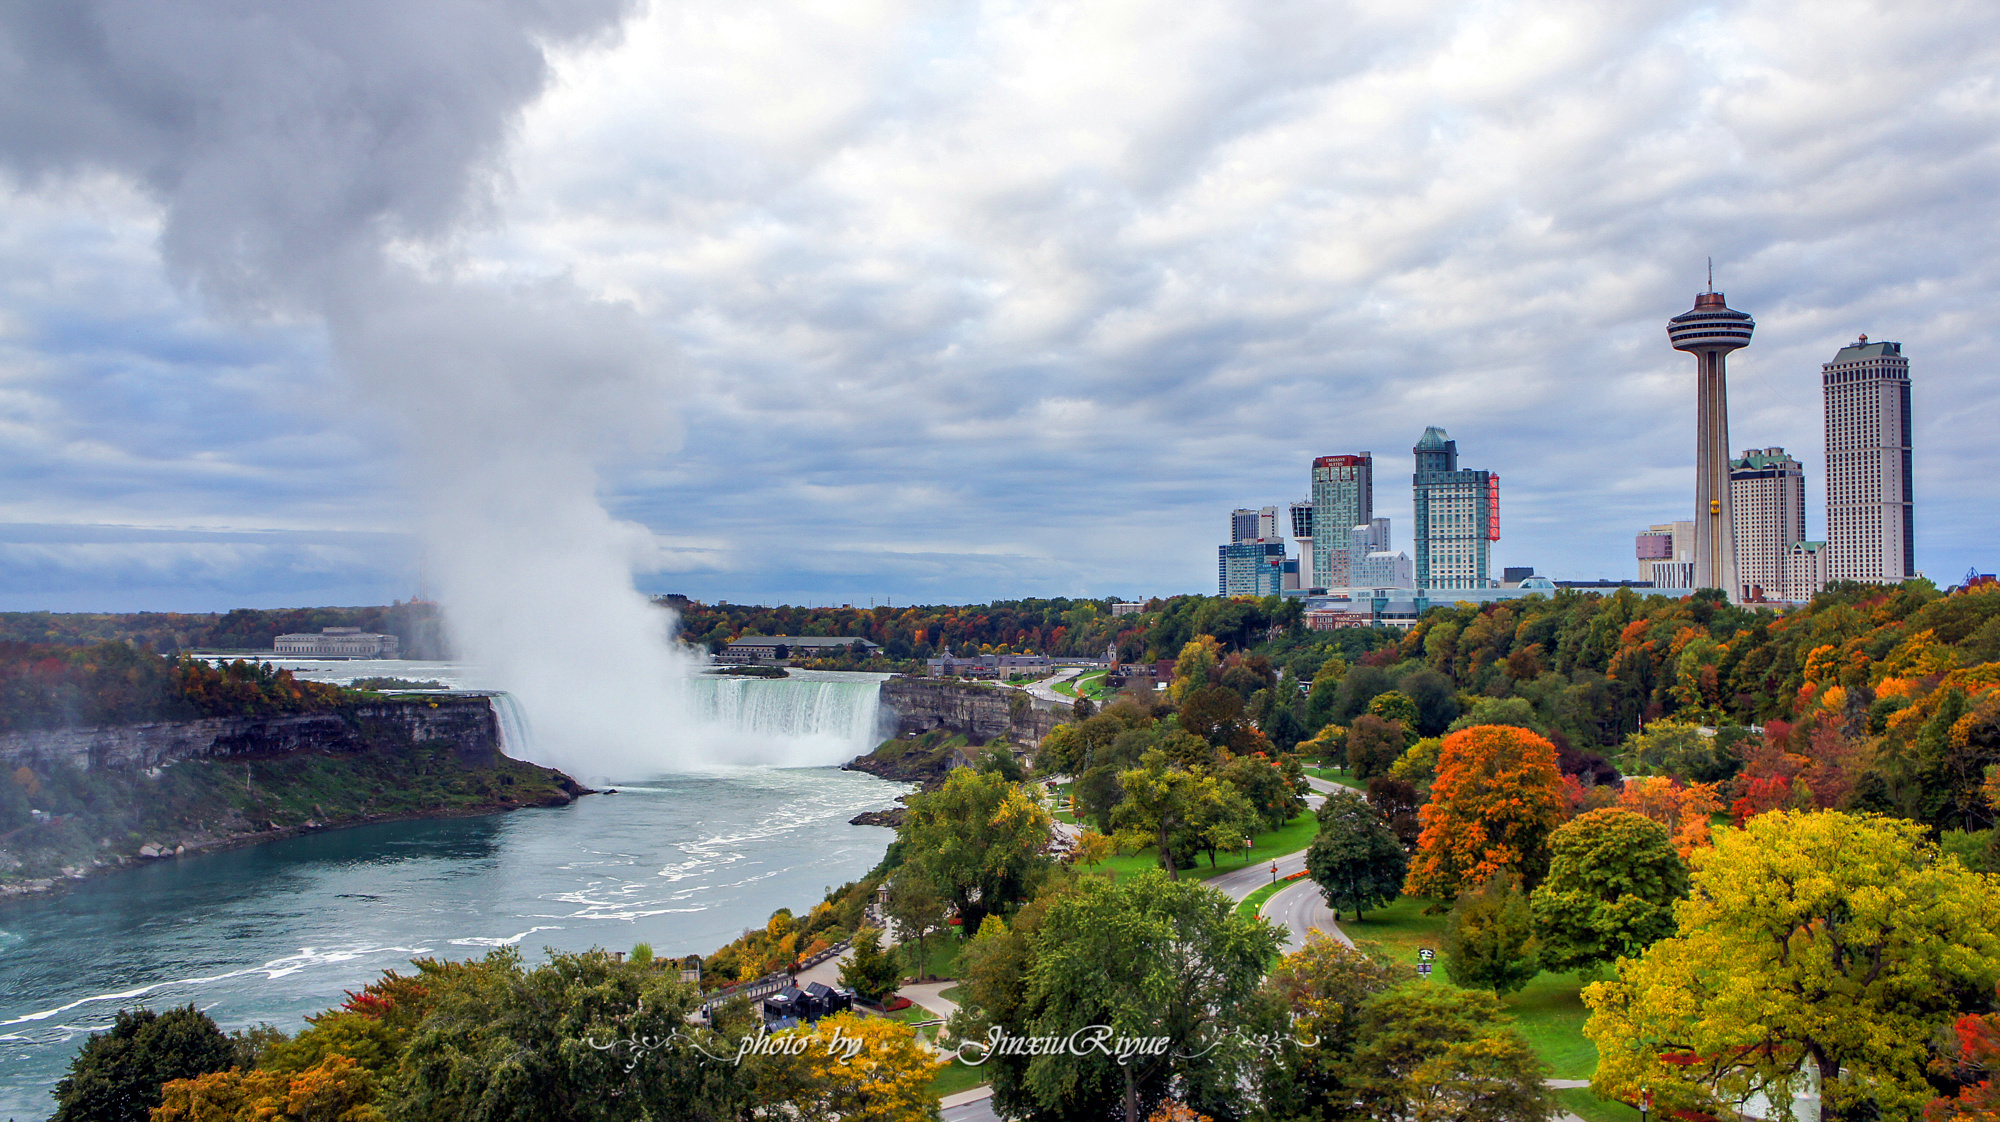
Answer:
(979, 839)
(1515, 711)
(1355, 858)
(501, 1043)
(1374, 745)
(116, 1075)
(1489, 937)
(1811, 942)
(869, 970)
(1614, 877)
(1159, 804)
(1323, 985)
(921, 913)
(1394, 705)
(1427, 1051)
(1147, 958)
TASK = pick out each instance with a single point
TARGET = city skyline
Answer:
(967, 318)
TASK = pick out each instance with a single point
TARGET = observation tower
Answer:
(1710, 332)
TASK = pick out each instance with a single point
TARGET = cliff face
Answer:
(978, 712)
(83, 799)
(467, 724)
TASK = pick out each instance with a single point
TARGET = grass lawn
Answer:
(943, 959)
(1332, 775)
(1580, 1102)
(957, 1077)
(1289, 838)
(1549, 1013)
(949, 993)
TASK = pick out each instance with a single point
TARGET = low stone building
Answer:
(337, 642)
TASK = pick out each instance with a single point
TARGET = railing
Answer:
(770, 983)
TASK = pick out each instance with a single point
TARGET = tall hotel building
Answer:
(1868, 514)
(1457, 516)
(1343, 496)
(1767, 499)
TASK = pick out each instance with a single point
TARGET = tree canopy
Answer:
(1816, 942)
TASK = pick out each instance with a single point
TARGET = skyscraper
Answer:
(1243, 525)
(1271, 523)
(1767, 501)
(1710, 332)
(1868, 512)
(1252, 568)
(1343, 495)
(1457, 516)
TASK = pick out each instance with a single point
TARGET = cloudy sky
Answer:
(945, 302)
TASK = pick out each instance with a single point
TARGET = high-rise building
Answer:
(1271, 523)
(1243, 525)
(1252, 568)
(1457, 516)
(1868, 510)
(1767, 502)
(1385, 569)
(1666, 555)
(1343, 496)
(1805, 572)
(1710, 332)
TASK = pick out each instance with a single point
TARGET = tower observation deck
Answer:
(1710, 332)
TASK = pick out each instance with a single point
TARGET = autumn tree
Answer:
(1812, 942)
(1978, 1099)
(336, 1089)
(861, 1069)
(1145, 958)
(1614, 878)
(1489, 937)
(1323, 986)
(1496, 800)
(1437, 1053)
(979, 839)
(1355, 858)
(1684, 809)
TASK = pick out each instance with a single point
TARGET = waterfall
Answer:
(805, 720)
(517, 736)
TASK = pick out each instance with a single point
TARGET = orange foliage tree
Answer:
(1497, 797)
(1684, 809)
(1978, 1054)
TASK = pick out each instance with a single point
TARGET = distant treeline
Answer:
(415, 622)
(46, 685)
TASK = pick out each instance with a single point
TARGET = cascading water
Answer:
(809, 719)
(517, 737)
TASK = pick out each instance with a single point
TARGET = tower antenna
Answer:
(1711, 274)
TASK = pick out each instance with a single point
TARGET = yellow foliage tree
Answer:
(1198, 657)
(336, 1089)
(846, 1067)
(1813, 944)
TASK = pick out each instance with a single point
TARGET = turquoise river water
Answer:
(273, 932)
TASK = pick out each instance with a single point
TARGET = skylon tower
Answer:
(1710, 332)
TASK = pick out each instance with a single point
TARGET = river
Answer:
(270, 933)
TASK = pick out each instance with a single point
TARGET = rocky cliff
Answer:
(974, 710)
(81, 799)
(467, 724)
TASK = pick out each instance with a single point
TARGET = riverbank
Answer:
(84, 801)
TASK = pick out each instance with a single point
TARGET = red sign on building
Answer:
(1493, 508)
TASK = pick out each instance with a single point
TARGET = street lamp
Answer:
(1246, 849)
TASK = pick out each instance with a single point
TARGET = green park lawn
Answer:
(1334, 775)
(1549, 1013)
(1289, 838)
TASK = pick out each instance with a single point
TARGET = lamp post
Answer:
(1246, 849)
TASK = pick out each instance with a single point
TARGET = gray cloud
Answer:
(983, 302)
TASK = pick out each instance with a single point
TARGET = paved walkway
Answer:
(1044, 690)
